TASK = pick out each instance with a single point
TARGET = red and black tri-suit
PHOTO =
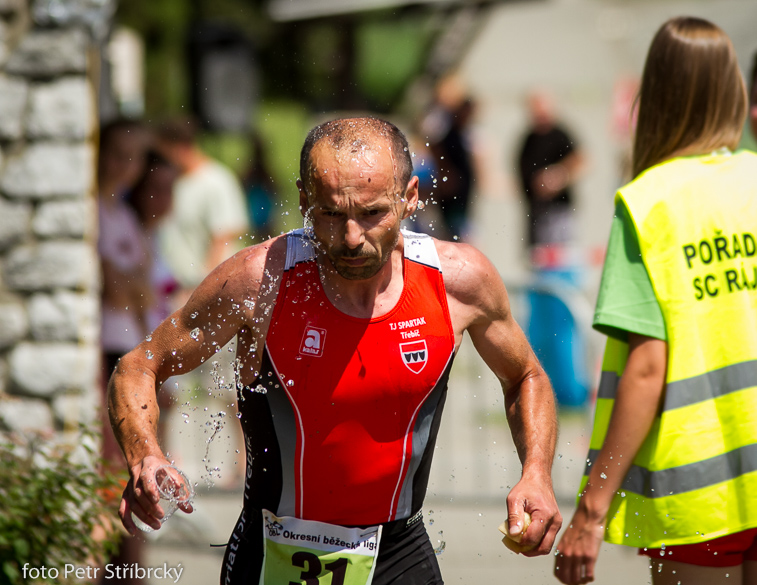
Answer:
(341, 423)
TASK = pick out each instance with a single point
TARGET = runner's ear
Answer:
(411, 197)
(304, 204)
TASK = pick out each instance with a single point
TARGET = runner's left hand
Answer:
(536, 497)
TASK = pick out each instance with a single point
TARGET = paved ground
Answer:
(475, 465)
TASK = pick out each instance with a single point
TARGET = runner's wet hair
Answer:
(358, 133)
(693, 99)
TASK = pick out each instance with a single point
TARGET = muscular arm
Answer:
(480, 305)
(224, 304)
(638, 398)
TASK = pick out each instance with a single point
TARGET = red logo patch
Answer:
(414, 355)
(312, 341)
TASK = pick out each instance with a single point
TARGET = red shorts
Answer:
(726, 551)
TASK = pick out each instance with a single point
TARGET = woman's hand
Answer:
(578, 549)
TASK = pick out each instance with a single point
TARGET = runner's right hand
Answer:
(141, 496)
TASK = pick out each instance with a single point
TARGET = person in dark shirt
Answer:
(455, 162)
(549, 164)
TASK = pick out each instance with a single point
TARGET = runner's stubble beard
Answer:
(375, 260)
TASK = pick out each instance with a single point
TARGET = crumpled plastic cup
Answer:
(174, 488)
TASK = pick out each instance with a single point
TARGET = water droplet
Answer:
(195, 333)
(148, 338)
(149, 354)
(442, 544)
(602, 475)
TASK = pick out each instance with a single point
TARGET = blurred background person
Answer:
(427, 219)
(260, 190)
(123, 249)
(447, 126)
(208, 215)
(549, 164)
(125, 264)
(668, 469)
(455, 175)
(151, 200)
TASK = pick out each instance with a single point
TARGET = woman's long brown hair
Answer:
(693, 99)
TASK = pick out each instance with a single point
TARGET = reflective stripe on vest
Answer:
(695, 476)
(697, 389)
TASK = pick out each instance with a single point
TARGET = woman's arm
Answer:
(639, 393)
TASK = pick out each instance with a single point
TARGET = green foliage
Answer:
(362, 60)
(283, 125)
(52, 507)
(389, 55)
(163, 25)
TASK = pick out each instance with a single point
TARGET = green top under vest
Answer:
(626, 302)
(695, 476)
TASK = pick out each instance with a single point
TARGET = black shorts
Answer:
(405, 557)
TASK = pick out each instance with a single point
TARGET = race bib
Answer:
(305, 552)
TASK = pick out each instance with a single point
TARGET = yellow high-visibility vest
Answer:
(695, 476)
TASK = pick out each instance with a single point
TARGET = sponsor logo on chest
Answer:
(313, 341)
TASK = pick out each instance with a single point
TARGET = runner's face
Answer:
(356, 207)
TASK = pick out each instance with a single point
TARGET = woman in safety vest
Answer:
(672, 467)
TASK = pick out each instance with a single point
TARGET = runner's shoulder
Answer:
(266, 255)
(468, 273)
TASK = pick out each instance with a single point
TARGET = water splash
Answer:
(439, 549)
(216, 424)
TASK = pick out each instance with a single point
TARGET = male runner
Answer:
(347, 331)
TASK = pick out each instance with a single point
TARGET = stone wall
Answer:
(49, 270)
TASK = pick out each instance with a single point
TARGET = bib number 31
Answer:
(305, 552)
